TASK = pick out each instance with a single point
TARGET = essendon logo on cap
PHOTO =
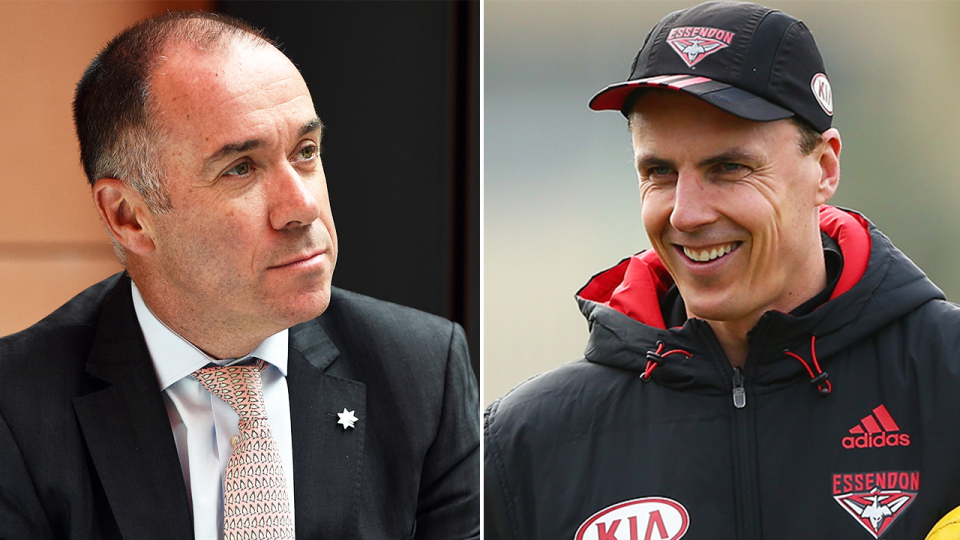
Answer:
(694, 43)
(876, 499)
(649, 518)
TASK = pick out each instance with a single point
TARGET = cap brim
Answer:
(721, 95)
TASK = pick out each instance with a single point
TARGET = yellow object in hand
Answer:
(948, 528)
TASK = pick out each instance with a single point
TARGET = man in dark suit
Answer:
(201, 143)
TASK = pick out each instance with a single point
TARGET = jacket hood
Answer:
(878, 284)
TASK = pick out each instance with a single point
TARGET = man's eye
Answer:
(240, 169)
(730, 167)
(659, 171)
(308, 152)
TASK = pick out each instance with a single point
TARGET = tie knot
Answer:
(239, 386)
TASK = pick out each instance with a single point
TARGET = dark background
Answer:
(397, 87)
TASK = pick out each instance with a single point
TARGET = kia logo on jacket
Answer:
(648, 518)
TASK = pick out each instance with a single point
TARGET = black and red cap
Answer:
(749, 60)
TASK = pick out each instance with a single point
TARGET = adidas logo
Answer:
(876, 430)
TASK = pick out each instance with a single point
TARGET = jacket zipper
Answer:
(739, 393)
(745, 459)
(744, 441)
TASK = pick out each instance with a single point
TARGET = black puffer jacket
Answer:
(843, 424)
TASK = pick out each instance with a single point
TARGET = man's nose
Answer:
(692, 203)
(293, 202)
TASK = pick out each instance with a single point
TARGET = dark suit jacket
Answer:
(86, 449)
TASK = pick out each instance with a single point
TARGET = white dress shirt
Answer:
(203, 424)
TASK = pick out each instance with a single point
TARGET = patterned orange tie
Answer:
(255, 501)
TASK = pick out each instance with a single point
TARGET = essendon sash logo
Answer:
(649, 518)
(876, 499)
(694, 43)
(876, 430)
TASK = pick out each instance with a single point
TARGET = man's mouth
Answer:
(299, 259)
(709, 254)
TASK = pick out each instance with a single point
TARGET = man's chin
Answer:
(313, 306)
(720, 309)
(304, 306)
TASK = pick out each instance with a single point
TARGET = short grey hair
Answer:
(114, 110)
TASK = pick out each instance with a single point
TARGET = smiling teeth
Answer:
(708, 254)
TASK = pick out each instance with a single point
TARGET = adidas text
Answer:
(880, 440)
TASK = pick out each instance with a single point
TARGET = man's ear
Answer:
(125, 214)
(829, 154)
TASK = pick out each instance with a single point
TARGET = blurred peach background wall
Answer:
(52, 244)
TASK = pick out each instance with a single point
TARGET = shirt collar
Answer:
(174, 357)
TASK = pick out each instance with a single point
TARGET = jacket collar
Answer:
(327, 456)
(126, 429)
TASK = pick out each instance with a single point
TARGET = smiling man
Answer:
(731, 208)
(774, 367)
(221, 387)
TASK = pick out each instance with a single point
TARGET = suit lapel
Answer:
(127, 431)
(327, 457)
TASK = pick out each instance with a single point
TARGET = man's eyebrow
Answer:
(311, 126)
(731, 156)
(230, 149)
(648, 161)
